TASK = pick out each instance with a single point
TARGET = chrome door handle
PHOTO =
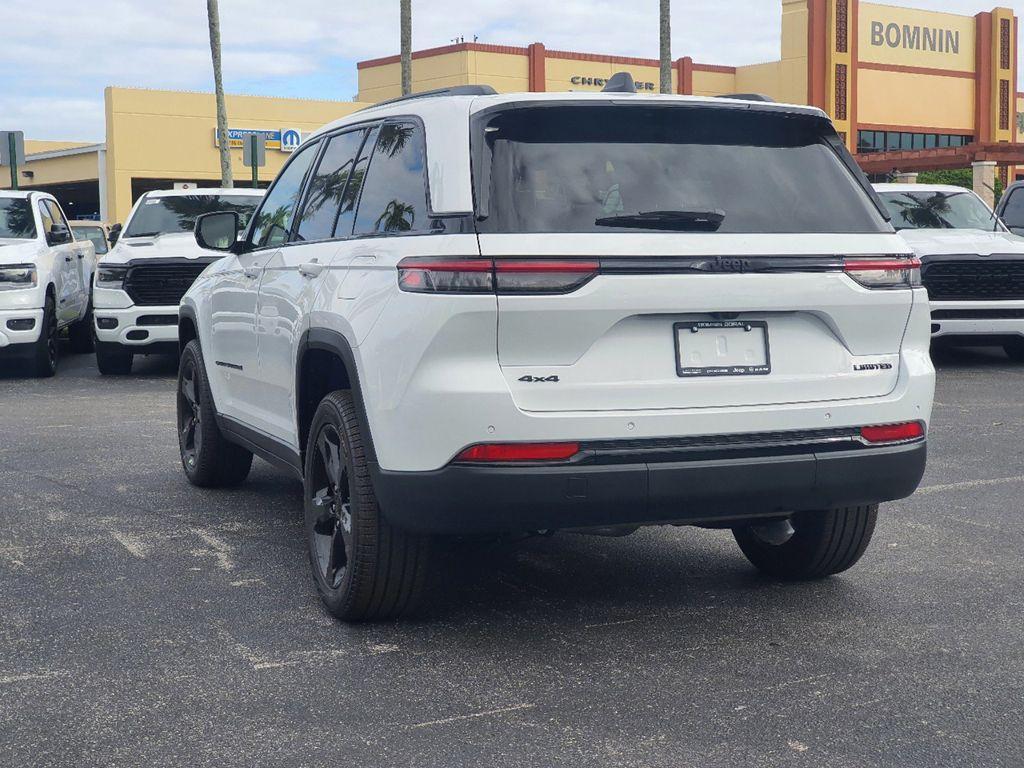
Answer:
(311, 269)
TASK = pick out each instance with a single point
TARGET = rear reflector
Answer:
(509, 275)
(893, 433)
(498, 452)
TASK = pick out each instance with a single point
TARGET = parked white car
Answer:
(470, 313)
(45, 278)
(154, 260)
(972, 265)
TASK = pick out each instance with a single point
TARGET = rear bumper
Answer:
(461, 499)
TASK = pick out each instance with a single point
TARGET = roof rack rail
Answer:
(746, 97)
(455, 90)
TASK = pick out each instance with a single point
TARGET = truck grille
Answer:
(974, 280)
(161, 284)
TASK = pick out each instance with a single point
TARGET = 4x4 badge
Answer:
(539, 379)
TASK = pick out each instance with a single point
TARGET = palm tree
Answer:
(213, 16)
(666, 47)
(397, 217)
(406, 35)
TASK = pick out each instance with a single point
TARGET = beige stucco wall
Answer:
(899, 98)
(170, 135)
(964, 61)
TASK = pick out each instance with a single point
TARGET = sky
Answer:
(56, 64)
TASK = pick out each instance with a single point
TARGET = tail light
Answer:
(884, 271)
(490, 453)
(505, 276)
(893, 433)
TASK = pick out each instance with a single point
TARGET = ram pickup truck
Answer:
(45, 274)
(153, 262)
(972, 266)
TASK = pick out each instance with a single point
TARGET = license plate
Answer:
(725, 348)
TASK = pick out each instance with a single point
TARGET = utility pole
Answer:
(406, 41)
(666, 47)
(213, 16)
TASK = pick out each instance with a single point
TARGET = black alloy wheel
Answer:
(190, 422)
(331, 532)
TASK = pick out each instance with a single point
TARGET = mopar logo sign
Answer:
(281, 139)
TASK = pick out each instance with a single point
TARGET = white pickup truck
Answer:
(153, 261)
(45, 281)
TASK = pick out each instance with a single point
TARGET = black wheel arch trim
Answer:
(332, 341)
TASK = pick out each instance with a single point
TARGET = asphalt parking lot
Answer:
(145, 622)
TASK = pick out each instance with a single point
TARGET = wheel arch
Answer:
(187, 328)
(325, 362)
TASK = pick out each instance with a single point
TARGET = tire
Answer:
(364, 569)
(1015, 350)
(825, 543)
(80, 334)
(208, 459)
(112, 360)
(46, 349)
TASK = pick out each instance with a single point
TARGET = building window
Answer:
(905, 141)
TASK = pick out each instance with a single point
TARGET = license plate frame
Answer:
(691, 372)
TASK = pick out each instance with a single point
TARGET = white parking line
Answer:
(475, 714)
(970, 484)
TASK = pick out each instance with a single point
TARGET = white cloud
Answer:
(66, 55)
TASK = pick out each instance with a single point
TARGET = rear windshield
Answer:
(165, 215)
(16, 219)
(623, 168)
(939, 210)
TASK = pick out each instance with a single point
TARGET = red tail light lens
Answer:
(893, 433)
(508, 276)
(885, 271)
(543, 275)
(446, 275)
(499, 452)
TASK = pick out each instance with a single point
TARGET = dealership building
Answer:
(909, 91)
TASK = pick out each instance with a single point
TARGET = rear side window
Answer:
(273, 223)
(687, 168)
(394, 197)
(327, 187)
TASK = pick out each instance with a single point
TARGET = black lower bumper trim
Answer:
(463, 499)
(153, 348)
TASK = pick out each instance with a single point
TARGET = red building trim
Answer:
(983, 78)
(538, 76)
(854, 33)
(684, 76)
(817, 40)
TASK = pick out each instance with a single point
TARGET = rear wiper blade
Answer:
(681, 221)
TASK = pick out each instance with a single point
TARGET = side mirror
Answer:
(58, 234)
(218, 231)
(115, 232)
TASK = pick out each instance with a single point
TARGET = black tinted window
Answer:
(594, 169)
(347, 216)
(394, 196)
(274, 221)
(1013, 213)
(178, 213)
(16, 219)
(327, 187)
(938, 210)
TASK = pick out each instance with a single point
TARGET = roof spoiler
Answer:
(455, 90)
(620, 82)
(746, 97)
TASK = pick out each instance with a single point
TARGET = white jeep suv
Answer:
(469, 313)
(971, 264)
(45, 277)
(155, 259)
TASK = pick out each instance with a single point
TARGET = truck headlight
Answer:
(111, 277)
(15, 276)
